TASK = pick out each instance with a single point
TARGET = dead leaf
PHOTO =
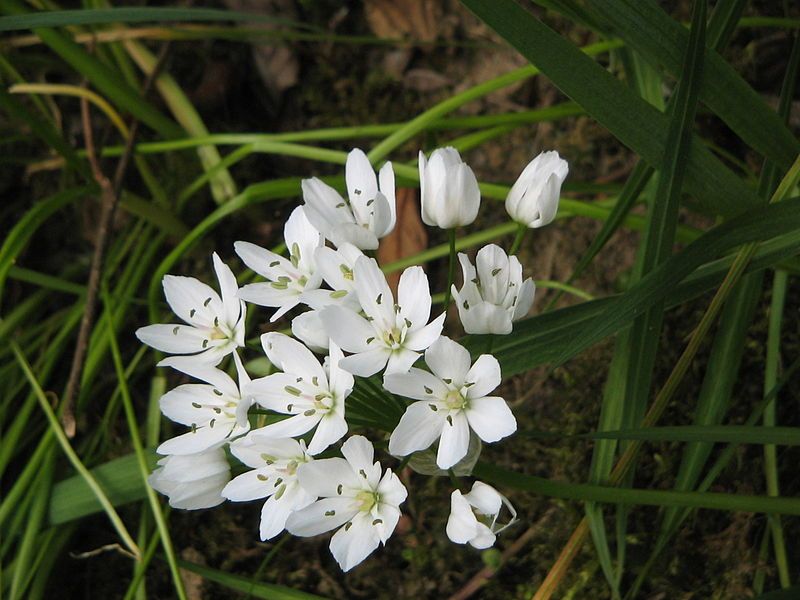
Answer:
(409, 236)
(416, 19)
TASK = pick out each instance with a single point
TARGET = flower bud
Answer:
(192, 481)
(493, 295)
(449, 190)
(533, 199)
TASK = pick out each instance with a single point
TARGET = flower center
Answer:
(366, 500)
(454, 400)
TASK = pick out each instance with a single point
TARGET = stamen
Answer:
(274, 263)
(428, 390)
(205, 343)
(370, 339)
(377, 521)
(450, 419)
(216, 321)
(447, 380)
(466, 305)
(496, 271)
(315, 380)
(433, 407)
(191, 313)
(330, 513)
(196, 405)
(217, 392)
(211, 423)
(348, 525)
(309, 412)
(339, 489)
(378, 299)
(261, 477)
(292, 390)
(362, 473)
(218, 411)
(279, 285)
(206, 301)
(408, 323)
(280, 492)
(338, 294)
(357, 192)
(175, 329)
(278, 481)
(340, 205)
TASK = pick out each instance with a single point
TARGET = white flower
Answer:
(215, 325)
(309, 328)
(449, 190)
(494, 295)
(287, 278)
(304, 390)
(533, 199)
(216, 411)
(336, 268)
(273, 476)
(452, 400)
(391, 335)
(367, 215)
(355, 496)
(192, 481)
(473, 516)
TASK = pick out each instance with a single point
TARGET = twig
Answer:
(109, 198)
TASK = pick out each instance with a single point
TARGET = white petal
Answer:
(401, 360)
(179, 404)
(229, 289)
(340, 382)
(461, 524)
(330, 429)
(353, 544)
(391, 490)
(360, 454)
(291, 427)
(524, 299)
(366, 363)
(485, 499)
(362, 185)
(291, 356)
(264, 262)
(462, 187)
(302, 239)
(448, 360)
(454, 442)
(271, 392)
(386, 181)
(199, 440)
(418, 428)
(484, 317)
(248, 486)
(494, 272)
(275, 512)
(309, 329)
(192, 300)
(324, 207)
(414, 296)
(420, 339)
(249, 449)
(313, 520)
(373, 292)
(413, 383)
(323, 477)
(174, 339)
(264, 294)
(491, 418)
(347, 329)
(485, 375)
(484, 538)
(351, 233)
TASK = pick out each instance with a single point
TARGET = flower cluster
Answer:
(281, 427)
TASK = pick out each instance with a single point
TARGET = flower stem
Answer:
(451, 271)
(521, 231)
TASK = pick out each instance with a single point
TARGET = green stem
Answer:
(451, 271)
(521, 231)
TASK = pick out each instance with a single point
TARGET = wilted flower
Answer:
(449, 190)
(533, 199)
(304, 390)
(288, 278)
(355, 496)
(192, 481)
(473, 516)
(273, 476)
(215, 325)
(494, 295)
(452, 400)
(392, 334)
(216, 410)
(366, 216)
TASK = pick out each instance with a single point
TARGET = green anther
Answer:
(299, 379)
(191, 313)
(450, 420)
(362, 473)
(433, 407)
(296, 250)
(428, 390)
(397, 308)
(348, 525)
(377, 521)
(378, 299)
(218, 410)
(315, 380)
(357, 192)
(289, 407)
(217, 392)
(369, 202)
(262, 477)
(303, 280)
(207, 301)
(339, 489)
(320, 397)
(466, 305)
(309, 412)
(194, 427)
(175, 329)
(408, 323)
(476, 281)
(330, 513)
(292, 390)
(278, 481)
(447, 380)
(496, 271)
(369, 340)
(274, 263)
(216, 321)
(279, 285)
(284, 279)
(341, 205)
(267, 458)
(294, 260)
(338, 294)
(205, 343)
(280, 492)
(196, 405)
